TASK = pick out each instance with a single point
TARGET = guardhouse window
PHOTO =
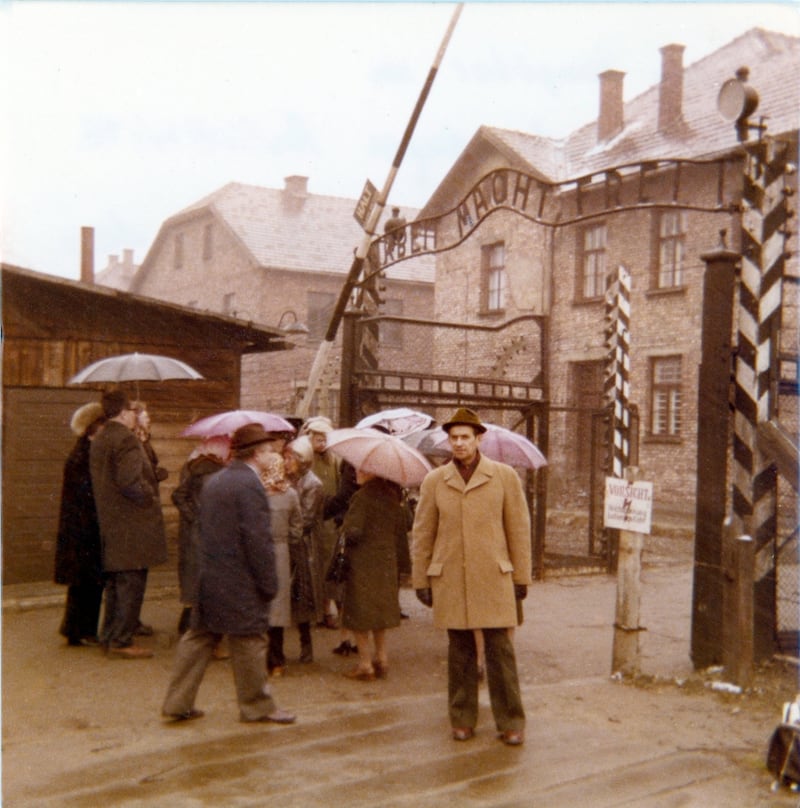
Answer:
(665, 417)
(671, 244)
(593, 261)
(494, 276)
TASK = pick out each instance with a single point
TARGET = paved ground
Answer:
(82, 730)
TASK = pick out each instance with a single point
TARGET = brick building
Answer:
(276, 257)
(649, 185)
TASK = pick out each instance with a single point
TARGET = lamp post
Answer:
(293, 327)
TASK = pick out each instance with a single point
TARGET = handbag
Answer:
(339, 566)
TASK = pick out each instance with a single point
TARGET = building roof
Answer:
(774, 63)
(300, 232)
(53, 306)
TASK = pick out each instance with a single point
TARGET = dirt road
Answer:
(83, 730)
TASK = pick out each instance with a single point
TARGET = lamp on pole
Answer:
(294, 326)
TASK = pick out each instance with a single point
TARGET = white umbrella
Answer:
(497, 443)
(401, 421)
(380, 454)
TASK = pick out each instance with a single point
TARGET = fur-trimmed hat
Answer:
(465, 417)
(85, 416)
(303, 449)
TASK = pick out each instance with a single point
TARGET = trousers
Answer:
(124, 598)
(501, 677)
(248, 662)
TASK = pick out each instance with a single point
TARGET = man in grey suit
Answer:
(237, 581)
(131, 524)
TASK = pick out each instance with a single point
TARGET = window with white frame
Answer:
(665, 416)
(494, 276)
(671, 241)
(593, 261)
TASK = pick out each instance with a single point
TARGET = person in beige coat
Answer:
(471, 561)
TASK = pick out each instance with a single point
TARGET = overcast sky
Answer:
(117, 115)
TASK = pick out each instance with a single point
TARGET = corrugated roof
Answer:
(774, 62)
(303, 233)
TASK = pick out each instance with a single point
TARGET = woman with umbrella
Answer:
(375, 523)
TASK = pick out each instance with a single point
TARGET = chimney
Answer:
(670, 91)
(112, 261)
(611, 118)
(87, 255)
(127, 259)
(296, 185)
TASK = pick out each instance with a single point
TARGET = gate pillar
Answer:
(713, 429)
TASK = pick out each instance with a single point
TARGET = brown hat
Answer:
(248, 436)
(85, 416)
(465, 417)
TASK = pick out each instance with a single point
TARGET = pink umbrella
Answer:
(497, 443)
(380, 454)
(226, 423)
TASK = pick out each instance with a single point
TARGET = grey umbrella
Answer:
(135, 367)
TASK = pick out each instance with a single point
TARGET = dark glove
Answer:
(425, 596)
(520, 591)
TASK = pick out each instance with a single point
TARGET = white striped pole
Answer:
(616, 387)
(764, 214)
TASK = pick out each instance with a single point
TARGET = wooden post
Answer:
(738, 607)
(625, 656)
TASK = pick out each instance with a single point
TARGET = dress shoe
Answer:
(463, 733)
(362, 674)
(277, 672)
(345, 648)
(513, 737)
(381, 670)
(306, 655)
(188, 715)
(143, 630)
(278, 717)
(130, 652)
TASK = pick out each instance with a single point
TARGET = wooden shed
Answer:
(54, 327)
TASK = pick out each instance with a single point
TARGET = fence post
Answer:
(738, 607)
(625, 655)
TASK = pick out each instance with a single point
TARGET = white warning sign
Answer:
(628, 506)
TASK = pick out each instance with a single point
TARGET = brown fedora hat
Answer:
(248, 436)
(465, 417)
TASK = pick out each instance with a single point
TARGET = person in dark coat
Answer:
(237, 582)
(374, 524)
(131, 524)
(78, 562)
(206, 459)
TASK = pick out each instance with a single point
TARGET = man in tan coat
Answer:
(472, 563)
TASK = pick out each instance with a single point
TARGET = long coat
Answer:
(471, 544)
(186, 498)
(286, 524)
(237, 561)
(78, 542)
(128, 505)
(374, 524)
